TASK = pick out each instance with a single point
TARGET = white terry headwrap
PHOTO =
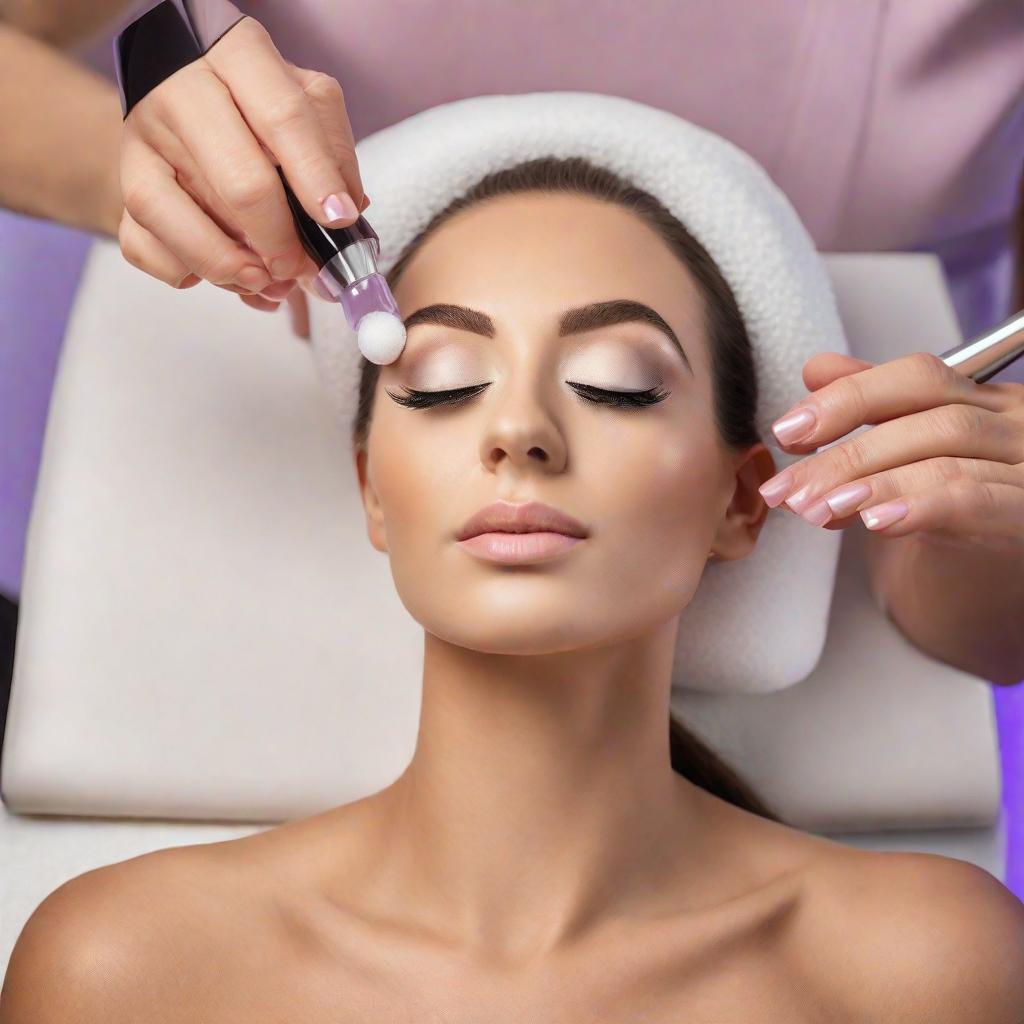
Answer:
(756, 624)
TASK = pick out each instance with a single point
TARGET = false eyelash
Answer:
(414, 399)
(425, 399)
(606, 397)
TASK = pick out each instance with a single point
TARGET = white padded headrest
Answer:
(743, 631)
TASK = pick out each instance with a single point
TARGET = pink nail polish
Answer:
(847, 498)
(795, 425)
(878, 517)
(775, 489)
(798, 500)
(339, 206)
(818, 514)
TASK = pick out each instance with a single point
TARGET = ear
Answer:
(738, 530)
(371, 505)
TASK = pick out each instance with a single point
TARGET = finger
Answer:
(160, 138)
(298, 308)
(328, 101)
(824, 367)
(845, 501)
(155, 200)
(966, 431)
(281, 116)
(882, 392)
(141, 249)
(957, 508)
(821, 369)
(259, 302)
(200, 111)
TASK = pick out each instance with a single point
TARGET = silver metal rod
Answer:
(984, 356)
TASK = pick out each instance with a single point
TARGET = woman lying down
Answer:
(556, 850)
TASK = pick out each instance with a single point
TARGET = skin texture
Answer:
(538, 859)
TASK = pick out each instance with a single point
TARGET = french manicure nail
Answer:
(847, 498)
(795, 425)
(339, 206)
(878, 517)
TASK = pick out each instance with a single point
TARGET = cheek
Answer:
(418, 479)
(663, 478)
(658, 491)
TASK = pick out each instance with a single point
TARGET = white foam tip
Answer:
(381, 337)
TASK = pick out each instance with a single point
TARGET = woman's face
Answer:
(654, 485)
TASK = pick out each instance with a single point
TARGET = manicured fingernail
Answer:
(798, 500)
(795, 425)
(775, 489)
(818, 514)
(847, 498)
(365, 203)
(339, 206)
(878, 517)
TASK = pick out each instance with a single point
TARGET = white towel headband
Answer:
(756, 624)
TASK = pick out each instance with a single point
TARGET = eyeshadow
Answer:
(441, 366)
(613, 365)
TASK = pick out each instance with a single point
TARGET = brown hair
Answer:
(735, 381)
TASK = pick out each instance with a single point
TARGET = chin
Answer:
(540, 608)
(503, 622)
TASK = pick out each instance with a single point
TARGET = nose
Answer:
(523, 431)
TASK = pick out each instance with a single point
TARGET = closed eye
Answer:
(413, 399)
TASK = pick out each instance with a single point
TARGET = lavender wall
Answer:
(40, 263)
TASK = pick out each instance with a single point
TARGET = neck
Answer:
(540, 797)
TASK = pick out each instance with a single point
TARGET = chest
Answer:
(726, 977)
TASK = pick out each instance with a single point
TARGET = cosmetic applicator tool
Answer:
(171, 34)
(347, 260)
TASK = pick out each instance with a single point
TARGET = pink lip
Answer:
(516, 548)
(529, 517)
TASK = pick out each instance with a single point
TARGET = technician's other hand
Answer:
(202, 198)
(944, 457)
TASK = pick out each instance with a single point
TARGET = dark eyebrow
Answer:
(573, 321)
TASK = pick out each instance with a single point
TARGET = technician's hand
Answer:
(946, 456)
(202, 198)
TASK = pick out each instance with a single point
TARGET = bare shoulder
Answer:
(106, 944)
(917, 936)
